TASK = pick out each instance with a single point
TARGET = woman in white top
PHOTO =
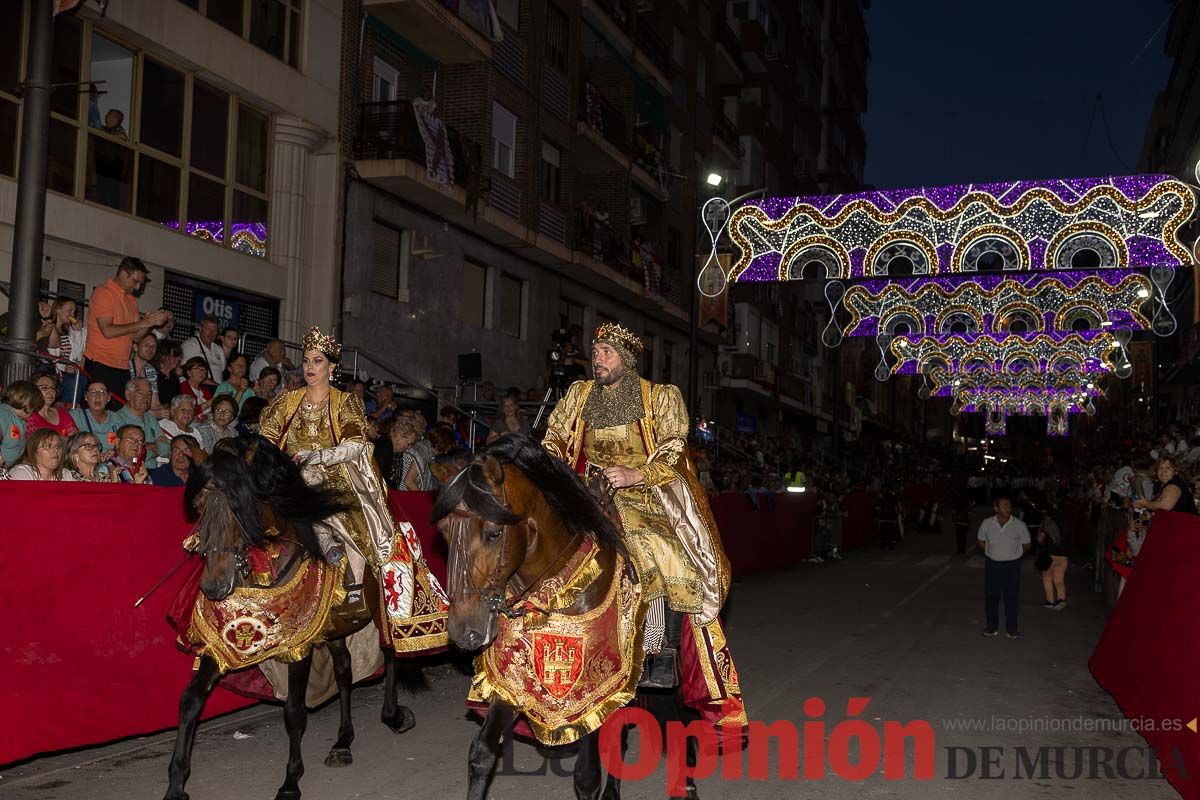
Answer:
(183, 411)
(43, 459)
(66, 338)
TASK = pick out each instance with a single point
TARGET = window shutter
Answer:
(385, 277)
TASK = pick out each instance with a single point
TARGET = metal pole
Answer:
(30, 223)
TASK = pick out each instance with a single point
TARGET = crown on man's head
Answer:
(315, 340)
(614, 333)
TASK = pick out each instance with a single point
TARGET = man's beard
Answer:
(611, 376)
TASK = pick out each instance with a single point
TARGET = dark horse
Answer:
(514, 517)
(247, 494)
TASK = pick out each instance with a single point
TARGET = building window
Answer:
(137, 159)
(512, 305)
(558, 34)
(701, 76)
(675, 149)
(474, 294)
(674, 251)
(384, 82)
(679, 47)
(504, 140)
(270, 25)
(389, 274)
(551, 179)
(510, 12)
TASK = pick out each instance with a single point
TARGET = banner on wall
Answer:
(1142, 356)
(225, 309)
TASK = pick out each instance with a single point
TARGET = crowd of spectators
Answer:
(116, 399)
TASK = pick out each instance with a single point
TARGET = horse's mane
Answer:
(562, 489)
(250, 471)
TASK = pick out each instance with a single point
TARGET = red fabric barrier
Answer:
(858, 526)
(79, 665)
(1147, 656)
(764, 539)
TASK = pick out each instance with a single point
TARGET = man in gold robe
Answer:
(634, 432)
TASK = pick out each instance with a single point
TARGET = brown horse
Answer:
(249, 494)
(513, 518)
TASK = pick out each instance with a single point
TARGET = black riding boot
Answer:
(661, 670)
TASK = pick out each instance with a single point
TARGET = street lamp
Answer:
(714, 179)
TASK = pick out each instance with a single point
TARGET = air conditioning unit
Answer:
(637, 214)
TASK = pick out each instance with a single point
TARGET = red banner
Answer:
(74, 558)
(1147, 656)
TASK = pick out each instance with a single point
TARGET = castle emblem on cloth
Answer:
(557, 662)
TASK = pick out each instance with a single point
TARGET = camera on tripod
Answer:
(562, 360)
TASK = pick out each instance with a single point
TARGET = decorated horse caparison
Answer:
(539, 577)
(262, 562)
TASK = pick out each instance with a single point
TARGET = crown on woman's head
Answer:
(315, 340)
(614, 333)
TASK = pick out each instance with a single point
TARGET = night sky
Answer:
(982, 90)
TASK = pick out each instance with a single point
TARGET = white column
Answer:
(295, 140)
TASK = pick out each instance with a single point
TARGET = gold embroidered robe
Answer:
(669, 528)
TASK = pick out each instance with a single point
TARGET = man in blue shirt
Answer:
(177, 470)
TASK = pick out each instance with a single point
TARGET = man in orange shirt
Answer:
(113, 321)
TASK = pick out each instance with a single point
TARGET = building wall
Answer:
(85, 240)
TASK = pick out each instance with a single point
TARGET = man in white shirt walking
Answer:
(1003, 540)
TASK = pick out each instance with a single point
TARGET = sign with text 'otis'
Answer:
(223, 308)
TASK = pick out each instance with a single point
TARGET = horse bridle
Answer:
(493, 591)
(238, 550)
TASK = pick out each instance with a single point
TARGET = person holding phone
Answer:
(130, 460)
(65, 338)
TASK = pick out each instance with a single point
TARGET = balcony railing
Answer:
(390, 130)
(602, 116)
(728, 40)
(727, 132)
(599, 239)
(653, 45)
(648, 148)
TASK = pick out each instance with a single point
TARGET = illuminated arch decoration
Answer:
(1114, 296)
(1092, 352)
(1029, 224)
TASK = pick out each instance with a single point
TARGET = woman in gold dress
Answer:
(325, 431)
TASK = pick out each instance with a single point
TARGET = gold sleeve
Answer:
(557, 440)
(670, 433)
(352, 420)
(271, 422)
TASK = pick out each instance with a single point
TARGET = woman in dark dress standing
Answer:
(1171, 493)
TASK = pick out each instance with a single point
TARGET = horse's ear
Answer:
(493, 470)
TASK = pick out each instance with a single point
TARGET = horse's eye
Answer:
(491, 533)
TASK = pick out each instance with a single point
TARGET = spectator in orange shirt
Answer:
(113, 322)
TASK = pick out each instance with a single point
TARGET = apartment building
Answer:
(198, 135)
(797, 114)
(525, 166)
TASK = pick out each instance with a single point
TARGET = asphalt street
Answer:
(902, 628)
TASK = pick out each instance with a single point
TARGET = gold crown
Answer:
(315, 340)
(613, 333)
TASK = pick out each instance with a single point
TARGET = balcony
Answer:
(725, 136)
(656, 50)
(602, 118)
(649, 164)
(651, 56)
(731, 67)
(445, 29)
(389, 130)
(747, 372)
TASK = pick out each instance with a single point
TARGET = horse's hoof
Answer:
(287, 794)
(180, 796)
(339, 757)
(402, 720)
